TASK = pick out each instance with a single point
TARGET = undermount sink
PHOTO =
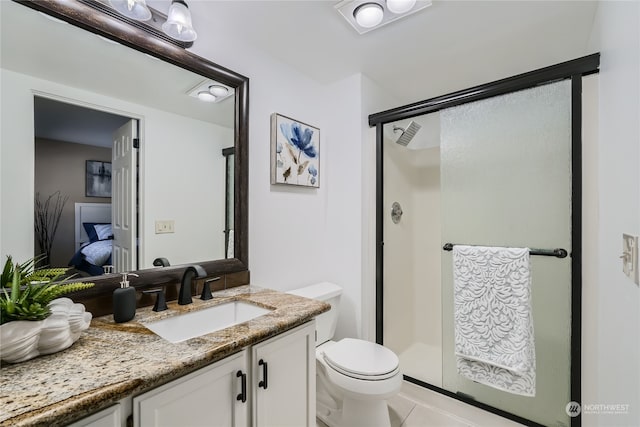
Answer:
(194, 324)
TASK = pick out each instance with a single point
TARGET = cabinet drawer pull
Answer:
(263, 383)
(243, 384)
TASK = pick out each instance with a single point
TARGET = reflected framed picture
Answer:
(295, 152)
(98, 179)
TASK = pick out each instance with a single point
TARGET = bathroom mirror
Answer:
(105, 65)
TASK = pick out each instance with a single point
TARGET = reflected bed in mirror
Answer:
(71, 96)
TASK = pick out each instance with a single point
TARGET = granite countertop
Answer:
(111, 360)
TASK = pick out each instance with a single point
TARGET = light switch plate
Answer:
(165, 226)
(629, 257)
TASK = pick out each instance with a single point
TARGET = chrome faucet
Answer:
(190, 273)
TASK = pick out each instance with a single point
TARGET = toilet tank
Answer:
(326, 322)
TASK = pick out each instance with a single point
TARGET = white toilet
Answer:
(353, 377)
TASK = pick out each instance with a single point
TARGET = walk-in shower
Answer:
(500, 170)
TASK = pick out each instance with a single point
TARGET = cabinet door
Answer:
(284, 375)
(211, 396)
(110, 417)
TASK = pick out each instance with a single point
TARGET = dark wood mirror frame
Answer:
(91, 17)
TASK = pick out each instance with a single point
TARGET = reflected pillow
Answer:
(103, 231)
(97, 253)
(98, 231)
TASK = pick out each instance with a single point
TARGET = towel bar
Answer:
(557, 252)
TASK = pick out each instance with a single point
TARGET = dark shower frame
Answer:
(573, 70)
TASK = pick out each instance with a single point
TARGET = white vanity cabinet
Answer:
(284, 375)
(241, 391)
(211, 396)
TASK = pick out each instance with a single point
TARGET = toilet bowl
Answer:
(353, 377)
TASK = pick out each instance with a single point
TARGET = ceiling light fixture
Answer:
(175, 27)
(367, 15)
(210, 91)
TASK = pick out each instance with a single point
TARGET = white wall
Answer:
(163, 189)
(195, 151)
(344, 203)
(590, 254)
(614, 376)
(300, 236)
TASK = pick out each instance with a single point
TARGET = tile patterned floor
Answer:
(419, 407)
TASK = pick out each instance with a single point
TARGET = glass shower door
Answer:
(506, 181)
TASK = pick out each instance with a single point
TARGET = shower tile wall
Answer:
(412, 260)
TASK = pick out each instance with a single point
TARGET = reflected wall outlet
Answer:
(629, 257)
(165, 226)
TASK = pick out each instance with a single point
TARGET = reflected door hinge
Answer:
(136, 143)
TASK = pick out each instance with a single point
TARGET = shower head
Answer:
(407, 133)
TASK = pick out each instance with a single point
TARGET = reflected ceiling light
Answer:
(400, 6)
(368, 15)
(211, 91)
(218, 90)
(178, 25)
(134, 9)
(206, 96)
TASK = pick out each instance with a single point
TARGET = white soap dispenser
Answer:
(124, 300)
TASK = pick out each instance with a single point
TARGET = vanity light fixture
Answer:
(175, 27)
(367, 15)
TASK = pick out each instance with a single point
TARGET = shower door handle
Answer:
(263, 383)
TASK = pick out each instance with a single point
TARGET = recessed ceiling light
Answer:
(210, 91)
(368, 14)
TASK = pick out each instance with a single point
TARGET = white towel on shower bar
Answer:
(493, 325)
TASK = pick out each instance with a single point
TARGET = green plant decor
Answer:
(32, 289)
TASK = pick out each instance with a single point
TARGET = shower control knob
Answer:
(396, 212)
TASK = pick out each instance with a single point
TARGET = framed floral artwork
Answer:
(295, 152)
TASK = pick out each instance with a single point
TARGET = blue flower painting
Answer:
(295, 152)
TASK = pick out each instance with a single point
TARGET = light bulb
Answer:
(206, 96)
(400, 6)
(218, 90)
(368, 15)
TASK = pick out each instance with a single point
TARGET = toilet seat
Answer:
(361, 359)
